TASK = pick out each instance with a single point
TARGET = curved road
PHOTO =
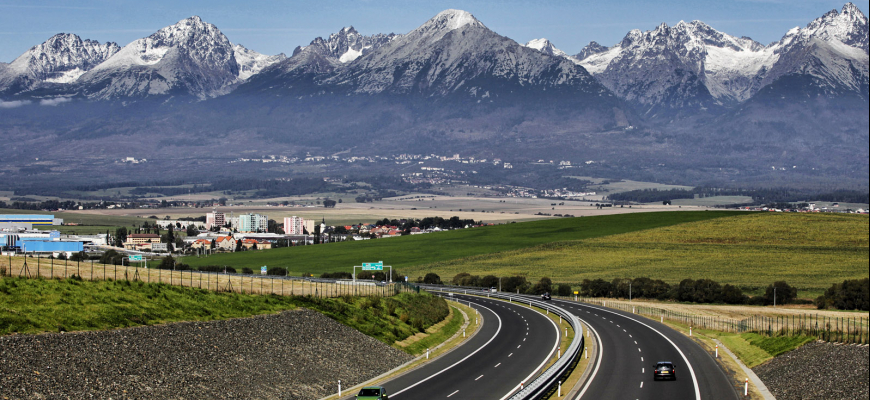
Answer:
(629, 347)
(512, 345)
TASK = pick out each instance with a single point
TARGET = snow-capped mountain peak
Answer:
(848, 26)
(60, 59)
(592, 48)
(194, 34)
(442, 24)
(545, 46)
(251, 62)
(346, 45)
(455, 19)
(192, 56)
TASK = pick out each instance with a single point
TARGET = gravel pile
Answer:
(818, 371)
(293, 355)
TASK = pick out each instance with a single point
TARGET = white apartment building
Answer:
(294, 225)
(215, 218)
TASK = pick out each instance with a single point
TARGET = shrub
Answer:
(432, 279)
(336, 275)
(783, 292)
(217, 268)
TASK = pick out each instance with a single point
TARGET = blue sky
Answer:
(272, 26)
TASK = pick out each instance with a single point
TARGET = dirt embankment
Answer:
(291, 355)
(818, 371)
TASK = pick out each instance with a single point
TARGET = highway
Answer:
(629, 347)
(514, 343)
(512, 346)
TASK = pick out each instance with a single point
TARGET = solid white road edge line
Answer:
(497, 331)
(597, 364)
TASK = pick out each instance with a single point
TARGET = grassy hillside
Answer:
(809, 251)
(74, 305)
(412, 251)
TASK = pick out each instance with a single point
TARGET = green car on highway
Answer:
(372, 393)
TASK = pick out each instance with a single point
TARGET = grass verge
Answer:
(55, 305)
(461, 315)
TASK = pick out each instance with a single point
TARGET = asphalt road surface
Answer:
(630, 346)
(513, 345)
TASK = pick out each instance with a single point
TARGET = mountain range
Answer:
(685, 103)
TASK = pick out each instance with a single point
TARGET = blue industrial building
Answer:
(49, 246)
(35, 220)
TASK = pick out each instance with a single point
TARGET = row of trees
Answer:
(759, 196)
(511, 284)
(453, 222)
(688, 290)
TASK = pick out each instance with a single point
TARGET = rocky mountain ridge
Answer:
(715, 69)
(660, 103)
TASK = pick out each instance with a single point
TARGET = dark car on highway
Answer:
(664, 370)
(545, 297)
(372, 393)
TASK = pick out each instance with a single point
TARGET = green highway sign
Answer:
(136, 258)
(373, 266)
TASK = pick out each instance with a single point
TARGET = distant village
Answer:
(220, 232)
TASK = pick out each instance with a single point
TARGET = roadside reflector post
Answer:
(605, 303)
(559, 354)
(586, 352)
(662, 318)
(560, 388)
(560, 319)
(717, 351)
(632, 310)
(746, 387)
(521, 385)
(427, 353)
(690, 331)
(566, 331)
(339, 388)
(463, 335)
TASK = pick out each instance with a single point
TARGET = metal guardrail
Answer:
(544, 382)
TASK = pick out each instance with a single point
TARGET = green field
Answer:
(750, 250)
(407, 252)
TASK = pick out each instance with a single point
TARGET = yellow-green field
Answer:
(809, 251)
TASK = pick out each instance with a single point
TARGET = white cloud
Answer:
(13, 103)
(54, 102)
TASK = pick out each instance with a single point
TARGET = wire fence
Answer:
(38, 267)
(831, 329)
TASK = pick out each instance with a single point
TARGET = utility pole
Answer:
(774, 297)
